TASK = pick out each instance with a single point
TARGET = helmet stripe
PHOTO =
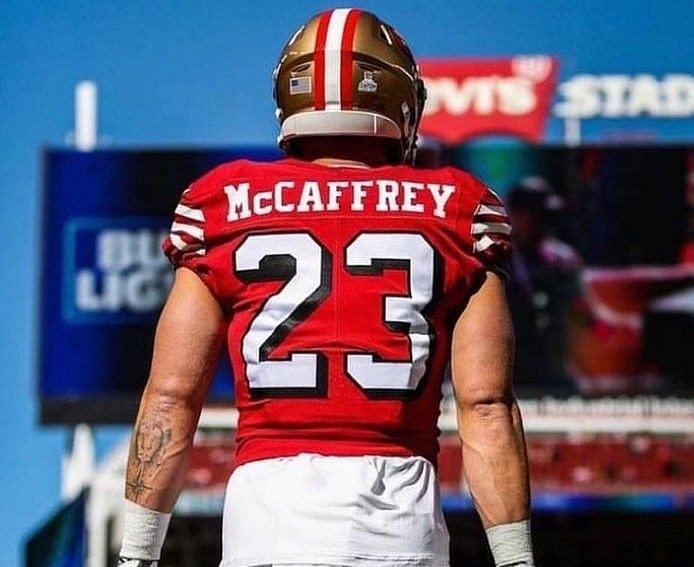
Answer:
(346, 75)
(319, 60)
(333, 58)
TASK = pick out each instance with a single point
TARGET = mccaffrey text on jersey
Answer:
(389, 195)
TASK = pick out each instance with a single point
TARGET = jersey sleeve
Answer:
(490, 230)
(483, 225)
(185, 244)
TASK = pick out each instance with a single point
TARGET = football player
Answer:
(343, 280)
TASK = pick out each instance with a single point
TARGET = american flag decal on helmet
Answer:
(300, 85)
(187, 235)
(491, 233)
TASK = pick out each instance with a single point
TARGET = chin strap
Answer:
(412, 155)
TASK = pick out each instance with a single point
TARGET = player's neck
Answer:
(343, 151)
(339, 162)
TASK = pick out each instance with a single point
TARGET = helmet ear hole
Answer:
(301, 68)
(367, 67)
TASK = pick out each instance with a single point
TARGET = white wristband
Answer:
(144, 531)
(511, 544)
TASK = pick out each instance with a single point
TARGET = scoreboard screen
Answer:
(601, 287)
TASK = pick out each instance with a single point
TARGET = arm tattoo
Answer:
(149, 445)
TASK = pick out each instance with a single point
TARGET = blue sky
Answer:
(198, 73)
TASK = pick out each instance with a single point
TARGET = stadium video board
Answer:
(602, 275)
(601, 287)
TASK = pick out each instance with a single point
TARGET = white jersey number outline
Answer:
(306, 266)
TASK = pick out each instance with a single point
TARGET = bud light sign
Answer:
(104, 277)
(115, 271)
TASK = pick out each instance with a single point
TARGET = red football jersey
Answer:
(342, 286)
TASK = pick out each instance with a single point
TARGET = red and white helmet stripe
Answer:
(333, 60)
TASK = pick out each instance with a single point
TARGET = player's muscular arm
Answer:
(489, 420)
(186, 348)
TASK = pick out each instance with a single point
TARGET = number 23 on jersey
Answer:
(306, 266)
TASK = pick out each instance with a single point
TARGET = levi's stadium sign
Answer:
(472, 97)
(626, 96)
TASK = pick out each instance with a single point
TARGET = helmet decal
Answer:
(368, 84)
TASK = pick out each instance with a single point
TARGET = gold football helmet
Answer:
(347, 73)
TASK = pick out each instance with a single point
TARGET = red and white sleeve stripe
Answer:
(187, 234)
(491, 234)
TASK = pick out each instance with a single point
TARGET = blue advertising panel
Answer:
(601, 286)
(104, 277)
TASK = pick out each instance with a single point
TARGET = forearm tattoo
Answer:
(150, 442)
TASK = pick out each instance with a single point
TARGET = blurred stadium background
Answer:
(579, 114)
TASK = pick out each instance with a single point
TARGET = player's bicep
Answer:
(483, 347)
(188, 340)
